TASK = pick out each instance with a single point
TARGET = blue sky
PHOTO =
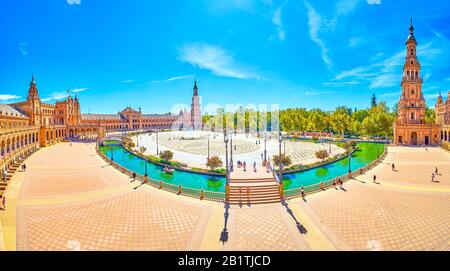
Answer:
(146, 54)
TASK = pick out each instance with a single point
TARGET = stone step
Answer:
(252, 180)
(255, 188)
(262, 201)
(255, 198)
(262, 193)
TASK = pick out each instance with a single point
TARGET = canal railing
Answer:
(309, 189)
(177, 189)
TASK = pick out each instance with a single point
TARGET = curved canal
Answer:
(366, 153)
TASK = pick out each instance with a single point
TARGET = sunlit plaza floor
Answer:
(192, 147)
(70, 199)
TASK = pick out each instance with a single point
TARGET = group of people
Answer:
(244, 165)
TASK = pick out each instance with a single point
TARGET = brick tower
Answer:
(410, 127)
(196, 114)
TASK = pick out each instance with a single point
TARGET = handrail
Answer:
(187, 191)
(296, 192)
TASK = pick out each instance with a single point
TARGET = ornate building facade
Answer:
(443, 116)
(33, 123)
(410, 127)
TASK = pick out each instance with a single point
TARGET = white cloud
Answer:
(276, 20)
(72, 2)
(79, 90)
(56, 96)
(174, 78)
(59, 95)
(215, 59)
(341, 84)
(6, 97)
(314, 93)
(127, 81)
(344, 7)
(354, 41)
(371, 2)
(315, 23)
(388, 71)
(23, 46)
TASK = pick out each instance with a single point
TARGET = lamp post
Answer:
(265, 146)
(157, 147)
(329, 145)
(145, 163)
(378, 149)
(112, 154)
(208, 146)
(280, 139)
(350, 160)
(231, 151)
(227, 184)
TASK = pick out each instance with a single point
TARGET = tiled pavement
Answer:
(104, 212)
(371, 217)
(136, 220)
(263, 227)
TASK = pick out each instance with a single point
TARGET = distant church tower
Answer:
(196, 114)
(34, 102)
(410, 127)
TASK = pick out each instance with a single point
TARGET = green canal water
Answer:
(366, 153)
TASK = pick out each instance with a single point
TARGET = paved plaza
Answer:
(192, 147)
(70, 199)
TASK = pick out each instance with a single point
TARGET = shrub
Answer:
(322, 154)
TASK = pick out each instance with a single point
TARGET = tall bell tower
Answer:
(196, 114)
(34, 102)
(412, 103)
(410, 128)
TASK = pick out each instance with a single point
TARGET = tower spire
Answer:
(195, 87)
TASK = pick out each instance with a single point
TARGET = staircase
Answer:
(247, 188)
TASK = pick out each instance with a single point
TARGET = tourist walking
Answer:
(24, 167)
(302, 191)
(245, 166)
(432, 177)
(340, 183)
(254, 166)
(374, 178)
(436, 171)
(134, 176)
(393, 167)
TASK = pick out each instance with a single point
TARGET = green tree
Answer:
(373, 101)
(430, 115)
(340, 120)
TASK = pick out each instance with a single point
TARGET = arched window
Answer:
(412, 91)
(412, 115)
